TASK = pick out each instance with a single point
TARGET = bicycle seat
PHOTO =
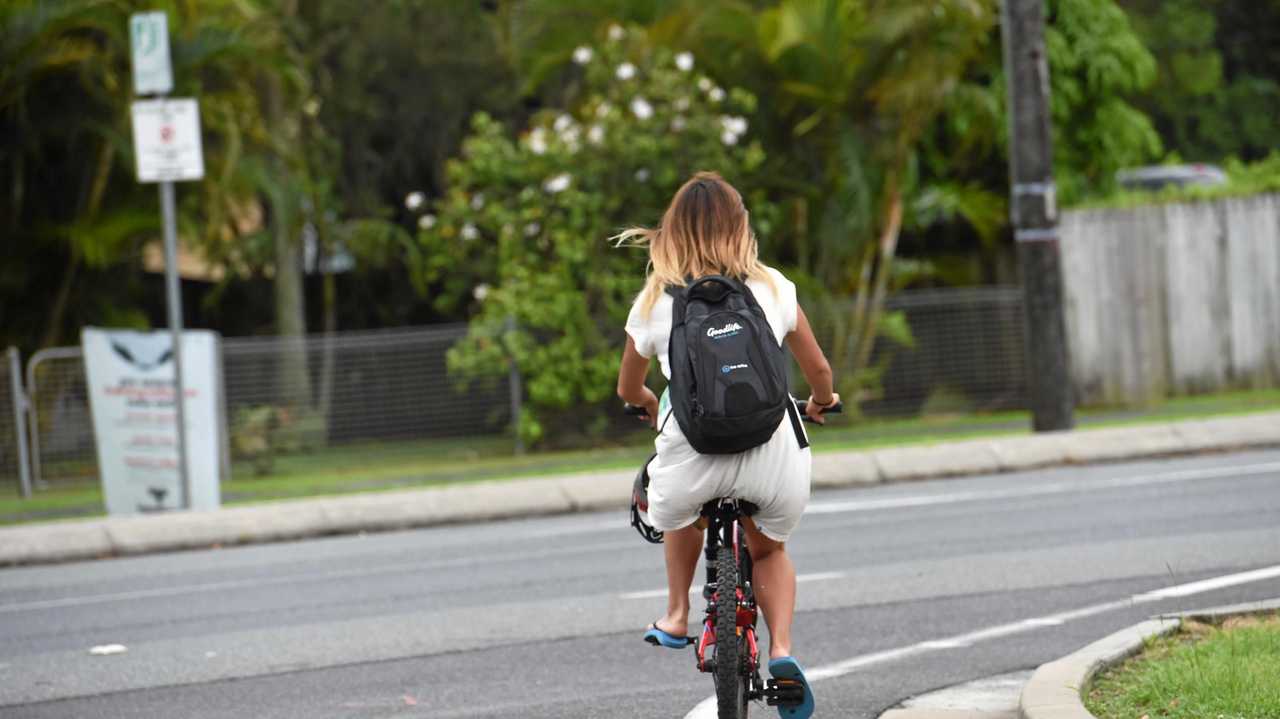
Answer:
(745, 508)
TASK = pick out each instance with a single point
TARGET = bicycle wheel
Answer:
(731, 686)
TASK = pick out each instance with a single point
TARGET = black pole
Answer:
(1033, 210)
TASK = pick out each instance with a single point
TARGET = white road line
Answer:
(649, 594)
(943, 644)
(1208, 585)
(654, 593)
(820, 576)
(928, 500)
(707, 707)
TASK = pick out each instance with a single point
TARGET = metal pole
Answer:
(1034, 212)
(173, 298)
(20, 421)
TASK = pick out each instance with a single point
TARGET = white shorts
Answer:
(774, 476)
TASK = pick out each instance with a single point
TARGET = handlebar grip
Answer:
(837, 408)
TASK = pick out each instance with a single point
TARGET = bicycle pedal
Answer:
(784, 692)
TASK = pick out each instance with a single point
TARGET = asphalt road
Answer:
(905, 588)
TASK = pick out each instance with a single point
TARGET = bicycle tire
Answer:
(731, 689)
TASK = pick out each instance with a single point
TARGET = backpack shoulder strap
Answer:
(678, 302)
(797, 425)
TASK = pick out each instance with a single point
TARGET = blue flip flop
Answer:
(659, 638)
(789, 669)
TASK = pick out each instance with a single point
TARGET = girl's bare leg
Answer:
(774, 577)
(682, 548)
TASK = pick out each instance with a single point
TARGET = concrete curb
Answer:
(1055, 689)
(946, 714)
(382, 511)
(1212, 616)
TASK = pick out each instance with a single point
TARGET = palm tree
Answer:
(64, 122)
(852, 88)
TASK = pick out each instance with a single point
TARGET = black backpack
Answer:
(728, 373)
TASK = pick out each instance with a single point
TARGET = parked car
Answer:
(1155, 177)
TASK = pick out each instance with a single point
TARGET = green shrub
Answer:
(521, 238)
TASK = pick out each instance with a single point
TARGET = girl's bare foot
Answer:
(675, 625)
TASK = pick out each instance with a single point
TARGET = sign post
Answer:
(130, 377)
(166, 139)
(149, 43)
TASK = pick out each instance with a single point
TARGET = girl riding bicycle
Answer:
(705, 231)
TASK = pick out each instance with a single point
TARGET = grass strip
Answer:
(1230, 671)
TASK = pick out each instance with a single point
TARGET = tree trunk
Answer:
(294, 378)
(97, 187)
(325, 403)
(57, 313)
(887, 248)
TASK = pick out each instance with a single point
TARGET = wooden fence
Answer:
(1173, 299)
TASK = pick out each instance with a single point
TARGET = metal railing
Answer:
(392, 386)
(285, 394)
(965, 353)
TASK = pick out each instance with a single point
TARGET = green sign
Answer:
(149, 41)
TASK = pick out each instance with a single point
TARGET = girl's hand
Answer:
(814, 410)
(650, 405)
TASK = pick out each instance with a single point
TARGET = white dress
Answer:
(774, 476)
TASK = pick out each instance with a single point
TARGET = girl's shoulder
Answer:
(777, 275)
(783, 286)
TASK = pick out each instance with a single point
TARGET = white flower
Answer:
(642, 175)
(625, 71)
(641, 108)
(532, 229)
(677, 123)
(562, 123)
(426, 222)
(477, 201)
(557, 183)
(480, 292)
(736, 125)
(716, 94)
(704, 84)
(684, 61)
(414, 200)
(616, 32)
(582, 55)
(469, 232)
(538, 140)
(595, 134)
(681, 104)
(728, 138)
(570, 138)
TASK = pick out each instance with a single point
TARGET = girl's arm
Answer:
(631, 387)
(813, 364)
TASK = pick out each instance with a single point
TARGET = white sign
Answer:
(149, 41)
(166, 140)
(130, 379)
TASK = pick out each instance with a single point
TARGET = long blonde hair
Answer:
(705, 231)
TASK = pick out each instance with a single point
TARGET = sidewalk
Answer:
(383, 511)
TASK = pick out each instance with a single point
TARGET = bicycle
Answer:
(729, 628)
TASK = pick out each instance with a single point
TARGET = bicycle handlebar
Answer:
(803, 406)
(634, 410)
